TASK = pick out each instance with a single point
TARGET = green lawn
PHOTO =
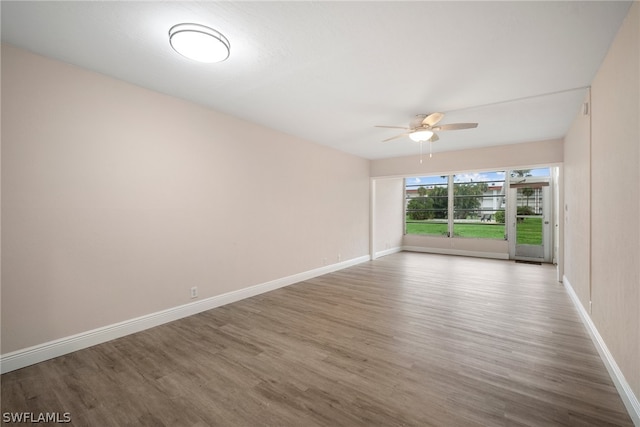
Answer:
(529, 231)
(426, 227)
(482, 231)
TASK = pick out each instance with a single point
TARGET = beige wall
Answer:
(117, 200)
(516, 156)
(577, 200)
(615, 199)
(388, 210)
(613, 165)
(489, 248)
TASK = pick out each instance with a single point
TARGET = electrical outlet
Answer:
(194, 292)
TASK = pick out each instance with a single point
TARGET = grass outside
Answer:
(426, 227)
(529, 231)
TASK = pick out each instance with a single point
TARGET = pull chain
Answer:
(430, 143)
(420, 152)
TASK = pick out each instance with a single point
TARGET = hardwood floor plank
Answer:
(406, 340)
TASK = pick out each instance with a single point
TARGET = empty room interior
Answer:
(320, 213)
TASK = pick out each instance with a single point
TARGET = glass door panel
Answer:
(530, 221)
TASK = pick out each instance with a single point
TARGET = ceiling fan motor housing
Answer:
(417, 121)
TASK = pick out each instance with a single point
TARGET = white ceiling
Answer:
(329, 71)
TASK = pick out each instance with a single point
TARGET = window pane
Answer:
(479, 203)
(427, 202)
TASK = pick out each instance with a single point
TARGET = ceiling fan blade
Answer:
(392, 127)
(432, 119)
(395, 137)
(456, 126)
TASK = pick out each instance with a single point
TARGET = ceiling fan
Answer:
(424, 129)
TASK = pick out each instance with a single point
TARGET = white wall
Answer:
(602, 233)
(117, 200)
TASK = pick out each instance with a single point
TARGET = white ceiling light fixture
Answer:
(199, 43)
(421, 135)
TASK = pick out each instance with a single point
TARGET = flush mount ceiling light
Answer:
(199, 43)
(421, 135)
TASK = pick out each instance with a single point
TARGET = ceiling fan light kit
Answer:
(421, 135)
(199, 43)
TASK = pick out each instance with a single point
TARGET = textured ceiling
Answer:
(329, 71)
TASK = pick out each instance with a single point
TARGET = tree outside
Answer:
(468, 199)
(431, 204)
(520, 173)
(527, 192)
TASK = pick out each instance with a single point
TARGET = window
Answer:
(477, 207)
(427, 205)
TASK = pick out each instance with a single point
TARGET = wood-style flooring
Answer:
(406, 340)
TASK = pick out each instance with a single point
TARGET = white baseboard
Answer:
(39, 353)
(387, 252)
(443, 251)
(624, 389)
